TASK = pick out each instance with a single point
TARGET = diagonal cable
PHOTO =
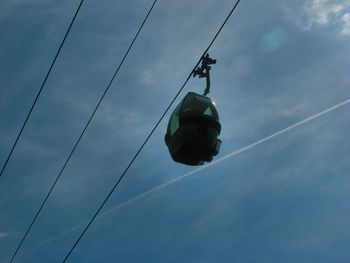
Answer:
(148, 137)
(82, 133)
(190, 173)
(41, 88)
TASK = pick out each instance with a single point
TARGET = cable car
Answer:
(194, 127)
(193, 130)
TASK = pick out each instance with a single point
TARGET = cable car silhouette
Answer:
(194, 127)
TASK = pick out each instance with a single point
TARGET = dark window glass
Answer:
(200, 104)
(174, 121)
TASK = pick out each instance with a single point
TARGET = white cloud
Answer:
(318, 13)
(110, 116)
(2, 234)
(322, 12)
(146, 77)
(346, 28)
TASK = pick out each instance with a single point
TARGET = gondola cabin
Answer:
(193, 130)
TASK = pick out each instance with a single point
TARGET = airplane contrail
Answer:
(159, 187)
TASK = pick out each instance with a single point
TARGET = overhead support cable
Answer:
(83, 132)
(190, 173)
(149, 136)
(40, 90)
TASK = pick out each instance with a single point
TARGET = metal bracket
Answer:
(204, 71)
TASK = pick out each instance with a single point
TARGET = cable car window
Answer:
(174, 121)
(208, 112)
(200, 104)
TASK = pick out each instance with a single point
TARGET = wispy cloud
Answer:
(3, 234)
(322, 12)
(159, 187)
(146, 77)
(316, 13)
(346, 27)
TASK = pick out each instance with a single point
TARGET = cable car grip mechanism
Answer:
(204, 71)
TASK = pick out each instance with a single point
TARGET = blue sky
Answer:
(279, 62)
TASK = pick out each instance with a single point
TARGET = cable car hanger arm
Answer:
(204, 71)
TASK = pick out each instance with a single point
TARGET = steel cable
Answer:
(83, 132)
(40, 90)
(148, 137)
